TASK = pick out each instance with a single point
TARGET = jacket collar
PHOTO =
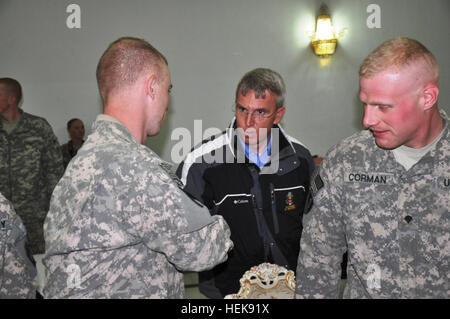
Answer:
(117, 129)
(426, 165)
(23, 118)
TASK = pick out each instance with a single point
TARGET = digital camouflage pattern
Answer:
(30, 166)
(17, 272)
(120, 227)
(395, 223)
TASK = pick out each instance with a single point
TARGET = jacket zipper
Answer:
(274, 209)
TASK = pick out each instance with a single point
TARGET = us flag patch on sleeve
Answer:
(316, 183)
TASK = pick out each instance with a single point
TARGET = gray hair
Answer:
(260, 80)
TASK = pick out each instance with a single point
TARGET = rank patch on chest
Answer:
(289, 202)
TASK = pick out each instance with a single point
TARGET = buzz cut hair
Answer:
(71, 121)
(12, 87)
(261, 79)
(123, 62)
(397, 54)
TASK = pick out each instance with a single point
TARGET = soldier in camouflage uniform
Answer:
(75, 128)
(383, 194)
(30, 162)
(119, 225)
(17, 272)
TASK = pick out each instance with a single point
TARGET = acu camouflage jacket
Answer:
(17, 272)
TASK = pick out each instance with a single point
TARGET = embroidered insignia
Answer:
(289, 202)
(372, 178)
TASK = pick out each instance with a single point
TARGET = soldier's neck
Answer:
(11, 114)
(129, 119)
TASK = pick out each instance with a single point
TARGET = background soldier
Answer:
(30, 165)
(75, 128)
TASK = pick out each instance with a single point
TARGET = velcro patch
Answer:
(168, 169)
(316, 183)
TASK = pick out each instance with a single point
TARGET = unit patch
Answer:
(289, 202)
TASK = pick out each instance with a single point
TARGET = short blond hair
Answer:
(397, 54)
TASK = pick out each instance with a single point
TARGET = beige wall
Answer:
(210, 44)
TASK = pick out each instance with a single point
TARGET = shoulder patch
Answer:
(316, 183)
(168, 169)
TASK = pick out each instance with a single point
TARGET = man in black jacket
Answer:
(257, 178)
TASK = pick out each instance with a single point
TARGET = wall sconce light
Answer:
(324, 40)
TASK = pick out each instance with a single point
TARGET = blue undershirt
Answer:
(259, 159)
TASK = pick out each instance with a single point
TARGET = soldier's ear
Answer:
(151, 86)
(430, 96)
